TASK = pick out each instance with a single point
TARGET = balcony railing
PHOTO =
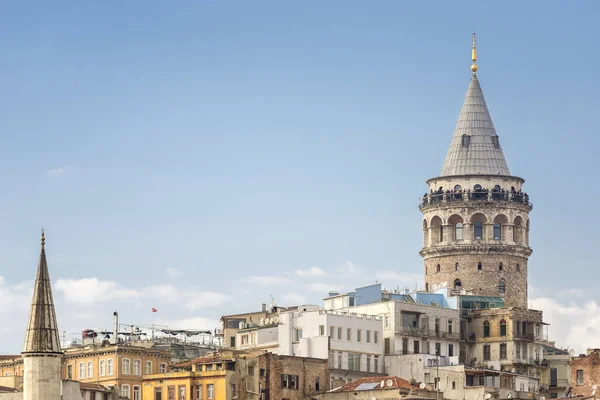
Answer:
(483, 195)
(369, 368)
(559, 383)
(431, 333)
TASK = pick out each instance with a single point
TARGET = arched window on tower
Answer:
(457, 284)
(438, 268)
(456, 266)
(500, 267)
(501, 287)
(441, 233)
(503, 327)
(458, 231)
(477, 188)
(486, 328)
(479, 266)
(518, 267)
(457, 188)
(497, 231)
(478, 230)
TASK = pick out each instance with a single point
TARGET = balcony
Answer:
(424, 333)
(360, 367)
(483, 195)
(559, 384)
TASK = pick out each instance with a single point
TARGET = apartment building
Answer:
(556, 375)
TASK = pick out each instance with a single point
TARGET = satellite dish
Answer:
(509, 395)
(389, 383)
(422, 385)
(382, 383)
(487, 396)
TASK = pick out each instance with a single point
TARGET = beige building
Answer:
(556, 376)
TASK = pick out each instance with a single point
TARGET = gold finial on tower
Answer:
(474, 55)
(43, 237)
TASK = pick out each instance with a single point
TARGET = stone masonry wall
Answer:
(590, 365)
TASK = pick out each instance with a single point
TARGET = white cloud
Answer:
(93, 290)
(200, 300)
(310, 272)
(390, 277)
(270, 280)
(58, 172)
(323, 288)
(293, 299)
(349, 268)
(173, 273)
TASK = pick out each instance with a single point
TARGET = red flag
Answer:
(154, 309)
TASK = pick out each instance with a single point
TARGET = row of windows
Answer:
(106, 368)
(438, 268)
(486, 328)
(354, 363)
(137, 392)
(198, 390)
(501, 286)
(370, 336)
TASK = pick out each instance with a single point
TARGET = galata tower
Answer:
(475, 213)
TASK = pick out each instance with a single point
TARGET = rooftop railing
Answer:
(466, 196)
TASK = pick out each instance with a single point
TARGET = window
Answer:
(90, 369)
(518, 350)
(457, 284)
(69, 372)
(348, 334)
(322, 330)
(232, 391)
(386, 321)
(251, 370)
(339, 333)
(359, 335)
(339, 360)
(478, 230)
(81, 370)
(181, 392)
(501, 287)
(479, 266)
(148, 367)
(126, 366)
(102, 368)
(416, 347)
(457, 188)
(486, 352)
(368, 336)
(496, 143)
(441, 233)
(404, 345)
(497, 231)
(232, 342)
(208, 367)
(261, 372)
(450, 326)
(244, 339)
(503, 351)
(486, 329)
(317, 384)
(198, 392)
(438, 349)
(502, 328)
(297, 334)
(450, 350)
(163, 368)
(458, 231)
(289, 381)
(137, 393)
(456, 267)
(376, 337)
(477, 188)
(171, 393)
(466, 140)
(579, 377)
(438, 268)
(158, 393)
(110, 367)
(376, 364)
(125, 391)
(331, 330)
(210, 391)
(453, 385)
(137, 367)
(518, 267)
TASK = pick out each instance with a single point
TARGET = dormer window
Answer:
(496, 141)
(466, 140)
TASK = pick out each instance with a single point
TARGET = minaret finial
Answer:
(474, 55)
(43, 237)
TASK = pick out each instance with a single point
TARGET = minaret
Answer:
(476, 217)
(42, 356)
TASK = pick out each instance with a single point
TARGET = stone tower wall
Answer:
(503, 257)
(42, 379)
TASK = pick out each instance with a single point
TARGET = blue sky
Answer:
(206, 151)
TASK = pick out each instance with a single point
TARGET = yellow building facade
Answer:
(201, 379)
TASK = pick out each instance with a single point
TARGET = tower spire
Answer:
(474, 55)
(42, 329)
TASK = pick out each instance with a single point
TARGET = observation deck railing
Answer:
(466, 196)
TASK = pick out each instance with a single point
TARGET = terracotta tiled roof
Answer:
(8, 357)
(396, 383)
(199, 360)
(5, 389)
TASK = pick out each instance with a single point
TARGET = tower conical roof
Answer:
(42, 329)
(475, 148)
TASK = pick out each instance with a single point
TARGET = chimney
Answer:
(264, 307)
(115, 327)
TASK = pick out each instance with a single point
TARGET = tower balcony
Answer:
(481, 196)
